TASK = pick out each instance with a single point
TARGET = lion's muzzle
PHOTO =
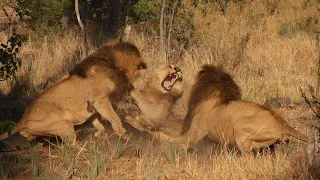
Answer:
(171, 78)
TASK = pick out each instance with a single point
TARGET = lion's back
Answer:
(214, 86)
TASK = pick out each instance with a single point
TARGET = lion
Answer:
(156, 101)
(216, 111)
(107, 73)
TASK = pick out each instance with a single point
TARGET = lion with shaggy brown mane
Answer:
(107, 73)
(215, 110)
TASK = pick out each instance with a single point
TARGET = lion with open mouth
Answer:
(156, 102)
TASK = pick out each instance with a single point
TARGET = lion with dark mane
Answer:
(92, 87)
(215, 110)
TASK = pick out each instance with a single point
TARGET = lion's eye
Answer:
(171, 66)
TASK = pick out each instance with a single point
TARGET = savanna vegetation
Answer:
(270, 47)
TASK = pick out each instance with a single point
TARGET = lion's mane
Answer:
(210, 81)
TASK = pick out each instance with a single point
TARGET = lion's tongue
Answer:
(169, 80)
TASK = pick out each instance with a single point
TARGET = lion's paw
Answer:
(98, 133)
(125, 137)
(120, 131)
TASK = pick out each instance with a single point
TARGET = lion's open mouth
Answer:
(169, 80)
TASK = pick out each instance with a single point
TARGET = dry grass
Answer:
(95, 160)
(43, 64)
(248, 43)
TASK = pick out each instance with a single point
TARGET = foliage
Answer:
(309, 25)
(284, 30)
(35, 161)
(146, 10)
(170, 154)
(183, 27)
(97, 163)
(7, 126)
(178, 25)
(271, 5)
(45, 15)
(5, 170)
(9, 60)
(118, 147)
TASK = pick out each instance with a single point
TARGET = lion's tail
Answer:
(6, 134)
(294, 133)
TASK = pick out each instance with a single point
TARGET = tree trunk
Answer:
(318, 82)
(312, 149)
(170, 28)
(126, 33)
(83, 33)
(9, 17)
(162, 30)
(117, 13)
(313, 152)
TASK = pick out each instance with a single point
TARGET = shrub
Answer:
(146, 10)
(45, 15)
(7, 126)
(9, 60)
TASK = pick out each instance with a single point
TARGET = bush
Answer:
(146, 10)
(9, 60)
(45, 15)
(7, 126)
(181, 30)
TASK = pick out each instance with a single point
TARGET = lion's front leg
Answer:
(105, 109)
(197, 130)
(135, 123)
(98, 126)
(146, 122)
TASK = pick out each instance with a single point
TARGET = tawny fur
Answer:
(156, 105)
(106, 73)
(219, 114)
(216, 83)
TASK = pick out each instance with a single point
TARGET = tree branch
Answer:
(83, 33)
(170, 26)
(162, 43)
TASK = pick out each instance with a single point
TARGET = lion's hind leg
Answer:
(248, 146)
(27, 135)
(245, 146)
(67, 134)
(47, 121)
(247, 142)
(243, 140)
